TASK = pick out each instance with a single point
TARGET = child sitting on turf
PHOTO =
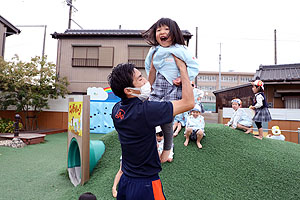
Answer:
(160, 143)
(276, 134)
(195, 127)
(179, 122)
(240, 119)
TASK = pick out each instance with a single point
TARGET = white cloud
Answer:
(97, 93)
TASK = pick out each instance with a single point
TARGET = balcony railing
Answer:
(139, 63)
(85, 62)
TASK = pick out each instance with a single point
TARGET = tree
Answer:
(29, 85)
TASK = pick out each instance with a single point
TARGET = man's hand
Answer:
(177, 81)
(164, 156)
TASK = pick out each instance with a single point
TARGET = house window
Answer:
(137, 55)
(92, 56)
(246, 79)
(224, 87)
(292, 102)
(209, 99)
(206, 78)
(207, 88)
(228, 78)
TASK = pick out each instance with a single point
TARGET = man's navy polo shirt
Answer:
(135, 122)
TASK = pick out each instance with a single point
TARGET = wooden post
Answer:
(298, 135)
(80, 130)
(85, 148)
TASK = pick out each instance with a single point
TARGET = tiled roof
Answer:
(284, 73)
(11, 29)
(106, 33)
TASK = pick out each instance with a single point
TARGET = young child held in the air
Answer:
(167, 41)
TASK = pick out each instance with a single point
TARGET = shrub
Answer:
(7, 126)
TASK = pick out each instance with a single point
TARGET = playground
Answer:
(231, 165)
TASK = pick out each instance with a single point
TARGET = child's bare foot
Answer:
(175, 134)
(199, 145)
(248, 131)
(170, 160)
(114, 192)
(186, 142)
(258, 137)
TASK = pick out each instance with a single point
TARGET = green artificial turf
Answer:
(231, 165)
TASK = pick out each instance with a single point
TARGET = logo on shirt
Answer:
(120, 114)
(170, 60)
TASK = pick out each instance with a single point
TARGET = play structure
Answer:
(83, 153)
(102, 101)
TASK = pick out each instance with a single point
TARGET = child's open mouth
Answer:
(163, 38)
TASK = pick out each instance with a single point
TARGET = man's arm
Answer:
(187, 102)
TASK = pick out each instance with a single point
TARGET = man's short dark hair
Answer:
(120, 78)
(87, 196)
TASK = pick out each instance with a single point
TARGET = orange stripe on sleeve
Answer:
(157, 190)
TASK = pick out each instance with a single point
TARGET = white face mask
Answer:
(145, 91)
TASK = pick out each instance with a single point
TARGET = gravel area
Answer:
(14, 143)
(5, 142)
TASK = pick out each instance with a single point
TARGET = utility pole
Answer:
(44, 40)
(220, 67)
(69, 3)
(196, 50)
(275, 47)
(196, 55)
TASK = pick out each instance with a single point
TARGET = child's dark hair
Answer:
(120, 78)
(160, 134)
(260, 89)
(175, 32)
(87, 196)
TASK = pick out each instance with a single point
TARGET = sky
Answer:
(244, 29)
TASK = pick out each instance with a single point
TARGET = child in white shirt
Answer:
(195, 127)
(160, 143)
(276, 134)
(240, 119)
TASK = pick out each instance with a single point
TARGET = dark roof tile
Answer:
(105, 33)
(285, 72)
(11, 29)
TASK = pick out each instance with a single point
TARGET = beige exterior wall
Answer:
(208, 81)
(81, 78)
(2, 39)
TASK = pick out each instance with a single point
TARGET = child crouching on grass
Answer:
(240, 119)
(194, 127)
(160, 143)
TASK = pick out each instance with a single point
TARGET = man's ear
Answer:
(127, 91)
